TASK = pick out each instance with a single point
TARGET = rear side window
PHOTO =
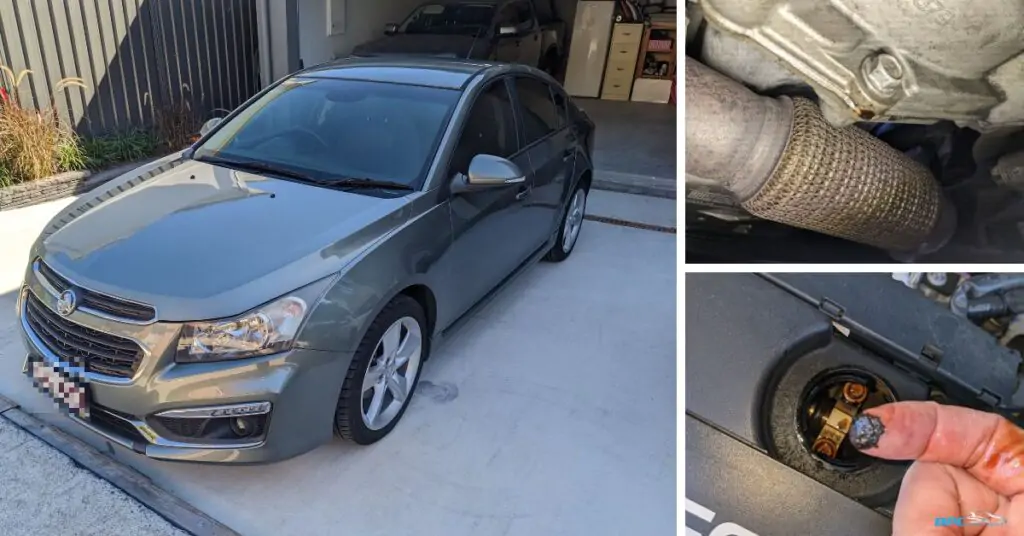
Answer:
(540, 116)
(490, 129)
(516, 14)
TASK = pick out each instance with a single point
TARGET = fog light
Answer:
(243, 427)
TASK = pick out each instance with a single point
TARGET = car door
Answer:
(488, 226)
(549, 143)
(517, 47)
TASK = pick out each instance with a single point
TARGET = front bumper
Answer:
(301, 385)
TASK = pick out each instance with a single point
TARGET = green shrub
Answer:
(6, 177)
(71, 155)
(127, 146)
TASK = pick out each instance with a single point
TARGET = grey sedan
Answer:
(288, 275)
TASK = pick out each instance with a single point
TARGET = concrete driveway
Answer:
(552, 412)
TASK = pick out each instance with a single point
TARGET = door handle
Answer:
(523, 193)
(568, 154)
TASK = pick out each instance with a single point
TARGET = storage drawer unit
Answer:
(627, 33)
(622, 55)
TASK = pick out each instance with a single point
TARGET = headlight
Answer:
(270, 329)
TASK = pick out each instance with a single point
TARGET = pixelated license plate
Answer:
(66, 389)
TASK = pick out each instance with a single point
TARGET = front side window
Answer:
(467, 19)
(336, 129)
(540, 117)
(490, 129)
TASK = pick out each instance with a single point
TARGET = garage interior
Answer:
(618, 65)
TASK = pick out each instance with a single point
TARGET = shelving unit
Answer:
(661, 28)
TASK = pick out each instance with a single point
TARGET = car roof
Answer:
(446, 73)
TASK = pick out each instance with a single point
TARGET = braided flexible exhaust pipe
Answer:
(783, 162)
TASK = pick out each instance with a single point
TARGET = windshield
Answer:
(468, 19)
(330, 129)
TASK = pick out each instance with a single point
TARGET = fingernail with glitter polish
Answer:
(867, 429)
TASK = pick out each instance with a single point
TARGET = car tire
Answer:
(353, 419)
(572, 223)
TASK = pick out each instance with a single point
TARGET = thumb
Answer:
(987, 445)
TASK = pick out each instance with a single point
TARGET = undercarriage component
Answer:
(905, 61)
(739, 59)
(1009, 170)
(781, 161)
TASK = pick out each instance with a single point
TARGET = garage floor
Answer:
(552, 412)
(633, 137)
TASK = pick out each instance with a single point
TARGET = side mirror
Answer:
(210, 125)
(390, 29)
(508, 31)
(488, 171)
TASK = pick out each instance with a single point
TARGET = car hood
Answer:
(200, 241)
(459, 46)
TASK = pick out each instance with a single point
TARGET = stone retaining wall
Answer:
(59, 186)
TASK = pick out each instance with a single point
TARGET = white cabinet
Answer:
(336, 17)
(588, 50)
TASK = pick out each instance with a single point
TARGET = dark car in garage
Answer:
(514, 31)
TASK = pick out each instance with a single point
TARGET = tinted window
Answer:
(540, 117)
(490, 129)
(449, 19)
(339, 128)
(516, 14)
(561, 106)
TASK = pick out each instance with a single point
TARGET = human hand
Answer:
(965, 462)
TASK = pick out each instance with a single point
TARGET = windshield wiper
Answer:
(357, 182)
(337, 183)
(254, 165)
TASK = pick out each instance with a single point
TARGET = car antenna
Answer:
(476, 35)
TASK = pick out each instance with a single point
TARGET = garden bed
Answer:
(61, 185)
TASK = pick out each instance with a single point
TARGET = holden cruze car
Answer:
(287, 276)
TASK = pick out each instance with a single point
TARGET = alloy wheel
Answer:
(574, 220)
(390, 373)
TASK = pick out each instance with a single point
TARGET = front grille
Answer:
(99, 302)
(98, 352)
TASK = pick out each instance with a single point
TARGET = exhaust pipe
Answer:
(783, 162)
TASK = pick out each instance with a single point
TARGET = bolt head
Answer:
(825, 447)
(883, 73)
(854, 393)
